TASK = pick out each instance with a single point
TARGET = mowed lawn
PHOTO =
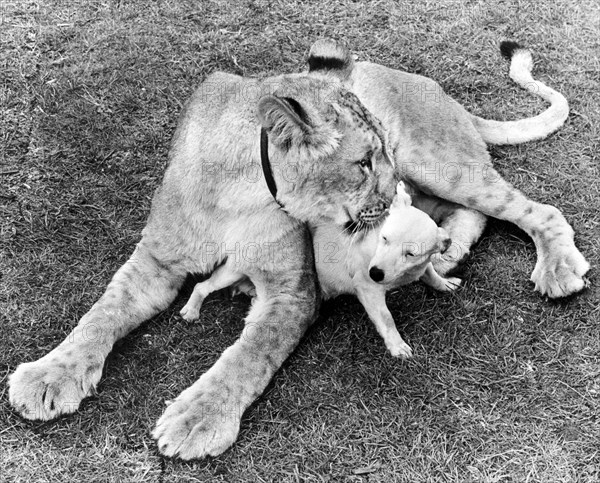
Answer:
(504, 385)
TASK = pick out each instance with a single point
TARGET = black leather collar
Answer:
(266, 165)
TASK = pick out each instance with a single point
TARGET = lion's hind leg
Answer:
(57, 383)
(464, 226)
(560, 266)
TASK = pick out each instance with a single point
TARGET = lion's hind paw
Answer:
(560, 274)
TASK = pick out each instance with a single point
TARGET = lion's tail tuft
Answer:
(508, 47)
(530, 129)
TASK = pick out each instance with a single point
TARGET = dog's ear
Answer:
(332, 58)
(402, 198)
(444, 241)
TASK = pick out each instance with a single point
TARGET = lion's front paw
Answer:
(195, 425)
(51, 386)
(560, 274)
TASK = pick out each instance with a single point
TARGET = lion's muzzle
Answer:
(373, 213)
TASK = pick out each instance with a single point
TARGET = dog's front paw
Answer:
(190, 312)
(451, 284)
(53, 385)
(560, 273)
(400, 349)
(198, 423)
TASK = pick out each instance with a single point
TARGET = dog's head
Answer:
(407, 240)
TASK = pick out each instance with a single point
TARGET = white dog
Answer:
(395, 254)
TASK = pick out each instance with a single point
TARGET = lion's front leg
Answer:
(59, 381)
(205, 418)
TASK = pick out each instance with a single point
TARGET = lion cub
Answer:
(394, 254)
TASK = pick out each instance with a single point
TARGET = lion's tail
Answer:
(530, 129)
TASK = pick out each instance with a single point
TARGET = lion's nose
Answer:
(377, 274)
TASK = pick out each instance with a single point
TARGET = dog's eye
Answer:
(385, 240)
(410, 254)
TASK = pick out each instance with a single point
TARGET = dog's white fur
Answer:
(400, 250)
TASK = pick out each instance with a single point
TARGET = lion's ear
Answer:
(330, 57)
(289, 125)
(285, 120)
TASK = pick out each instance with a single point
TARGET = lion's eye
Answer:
(385, 240)
(410, 254)
(366, 162)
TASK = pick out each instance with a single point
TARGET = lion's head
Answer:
(328, 152)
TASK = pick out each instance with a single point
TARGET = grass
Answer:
(505, 386)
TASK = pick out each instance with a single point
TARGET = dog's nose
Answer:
(376, 274)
